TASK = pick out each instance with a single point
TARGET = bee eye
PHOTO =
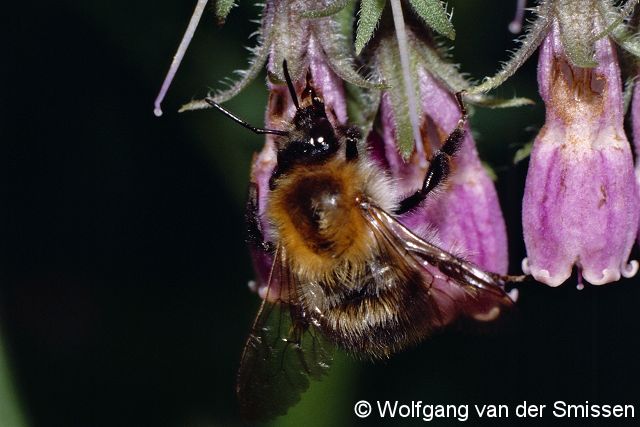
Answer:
(319, 143)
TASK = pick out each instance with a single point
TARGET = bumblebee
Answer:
(346, 272)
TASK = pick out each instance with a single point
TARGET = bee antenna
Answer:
(259, 131)
(292, 90)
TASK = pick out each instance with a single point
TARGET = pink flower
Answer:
(581, 205)
(464, 217)
(635, 125)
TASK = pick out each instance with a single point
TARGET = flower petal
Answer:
(581, 204)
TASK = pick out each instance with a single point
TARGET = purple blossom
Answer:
(635, 125)
(465, 217)
(581, 198)
(581, 204)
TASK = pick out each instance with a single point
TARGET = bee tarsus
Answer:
(440, 164)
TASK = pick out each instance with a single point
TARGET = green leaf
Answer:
(491, 173)
(523, 153)
(223, 7)
(329, 10)
(388, 58)
(362, 107)
(615, 18)
(344, 18)
(193, 105)
(449, 75)
(446, 72)
(532, 39)
(290, 41)
(334, 35)
(11, 411)
(630, 43)
(490, 102)
(577, 31)
(260, 55)
(434, 14)
(370, 13)
(616, 27)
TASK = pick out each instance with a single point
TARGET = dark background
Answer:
(123, 270)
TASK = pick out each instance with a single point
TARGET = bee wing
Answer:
(282, 352)
(457, 286)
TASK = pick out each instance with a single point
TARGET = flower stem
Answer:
(177, 58)
(516, 25)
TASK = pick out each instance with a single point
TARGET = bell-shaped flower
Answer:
(463, 216)
(581, 204)
(635, 125)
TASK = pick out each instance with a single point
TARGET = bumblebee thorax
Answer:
(316, 214)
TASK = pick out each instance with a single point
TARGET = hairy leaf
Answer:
(532, 39)
(523, 153)
(434, 14)
(444, 71)
(223, 7)
(370, 13)
(618, 29)
(388, 58)
(362, 107)
(334, 34)
(490, 102)
(260, 55)
(331, 9)
(577, 31)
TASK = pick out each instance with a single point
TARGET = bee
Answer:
(346, 272)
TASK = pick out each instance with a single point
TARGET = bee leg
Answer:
(353, 136)
(255, 237)
(440, 164)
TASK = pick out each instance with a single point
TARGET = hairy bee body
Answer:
(317, 219)
(345, 285)
(345, 271)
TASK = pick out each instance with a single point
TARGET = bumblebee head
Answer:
(312, 139)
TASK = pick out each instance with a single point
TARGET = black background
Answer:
(123, 296)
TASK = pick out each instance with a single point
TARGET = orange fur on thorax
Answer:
(344, 241)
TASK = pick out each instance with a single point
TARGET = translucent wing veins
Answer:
(282, 352)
